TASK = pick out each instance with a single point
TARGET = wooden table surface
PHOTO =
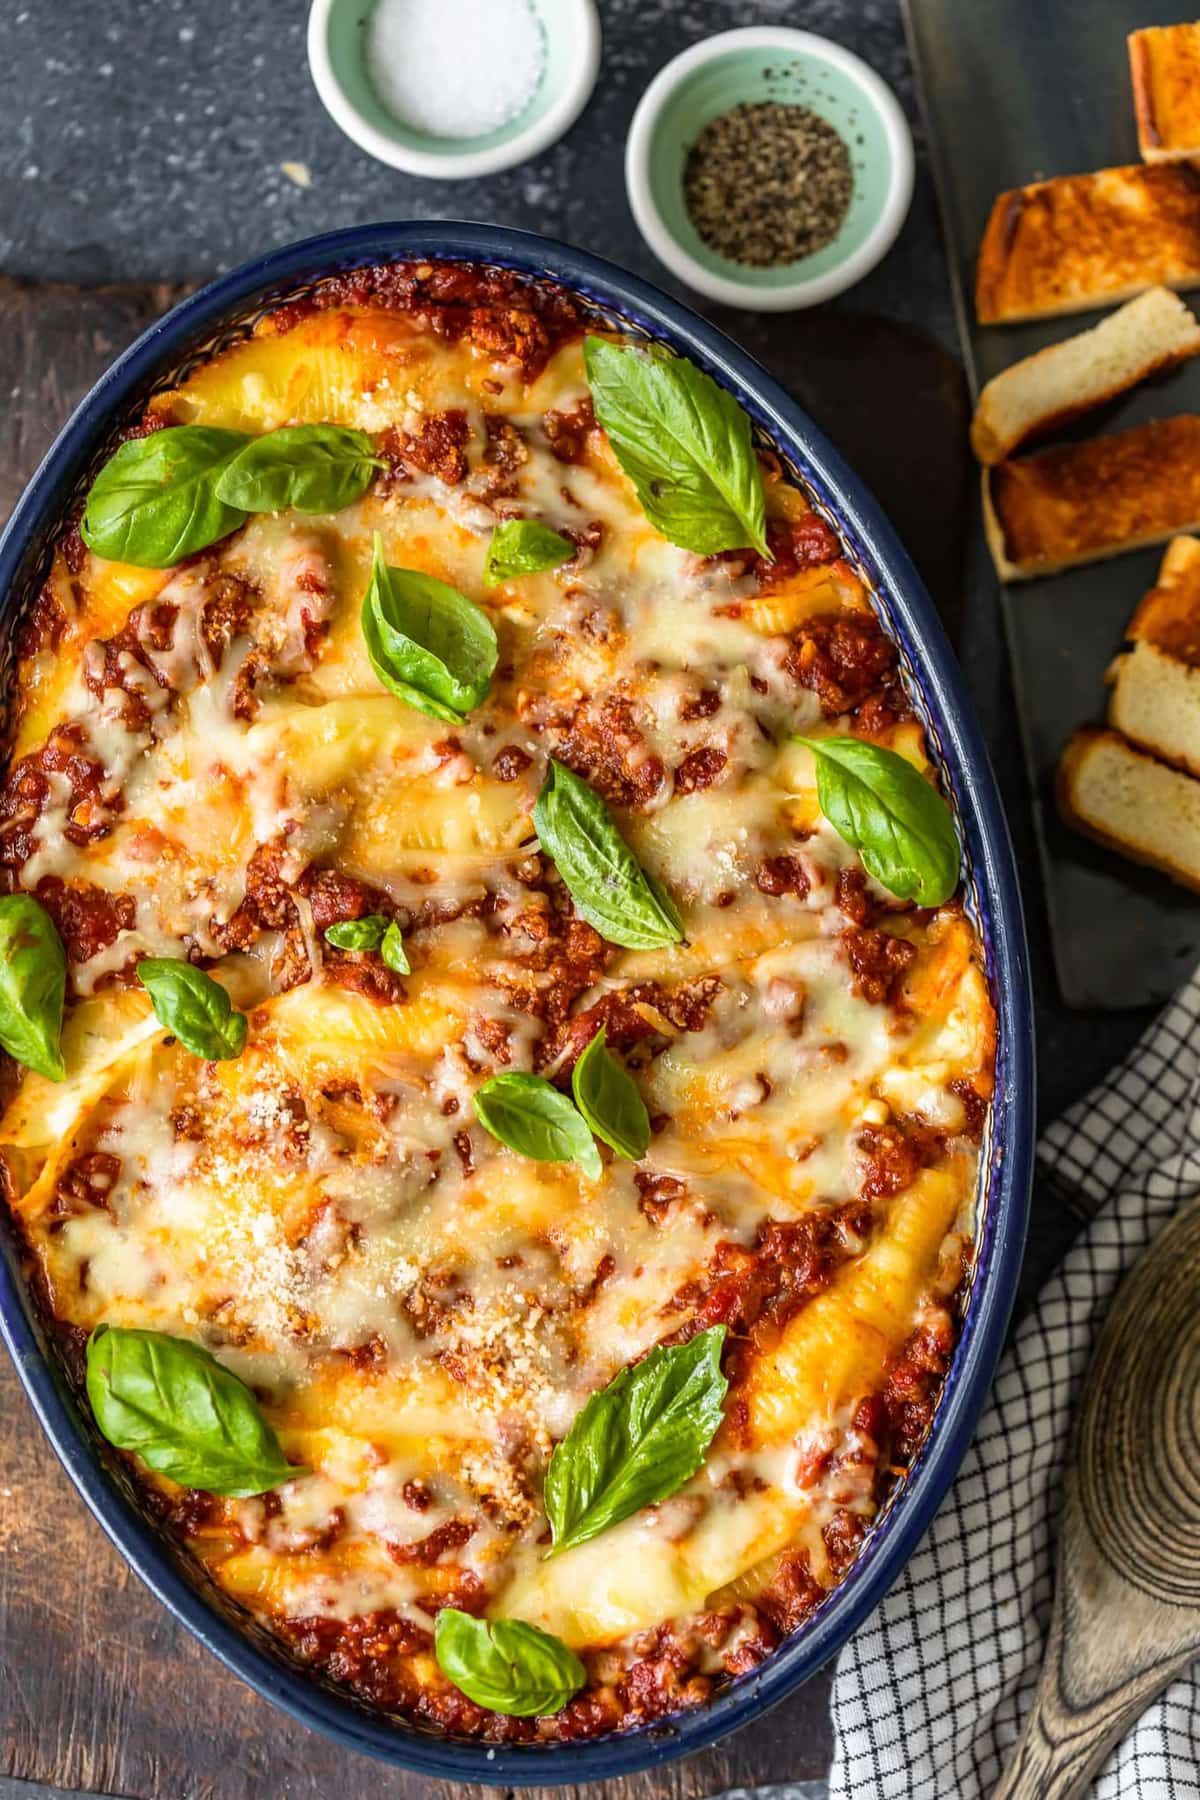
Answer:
(100, 1690)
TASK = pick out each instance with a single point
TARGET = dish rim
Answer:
(243, 1647)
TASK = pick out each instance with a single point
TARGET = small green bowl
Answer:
(752, 65)
(337, 31)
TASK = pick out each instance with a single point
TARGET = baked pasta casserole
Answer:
(498, 1057)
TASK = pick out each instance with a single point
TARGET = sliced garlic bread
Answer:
(1154, 684)
(1131, 803)
(1077, 503)
(1169, 614)
(1164, 62)
(1148, 334)
(1078, 241)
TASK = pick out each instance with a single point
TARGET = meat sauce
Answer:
(505, 315)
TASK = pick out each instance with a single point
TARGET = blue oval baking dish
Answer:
(210, 319)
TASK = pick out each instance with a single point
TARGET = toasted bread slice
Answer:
(1080, 502)
(1168, 616)
(1131, 803)
(1155, 701)
(1164, 61)
(1148, 334)
(1061, 246)
(1154, 683)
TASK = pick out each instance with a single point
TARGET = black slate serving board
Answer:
(1015, 90)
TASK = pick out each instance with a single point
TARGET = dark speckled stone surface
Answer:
(184, 178)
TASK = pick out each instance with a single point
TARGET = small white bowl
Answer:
(756, 64)
(337, 35)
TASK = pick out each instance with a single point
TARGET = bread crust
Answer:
(1070, 762)
(993, 531)
(1083, 502)
(1164, 66)
(1079, 241)
(1141, 79)
(1082, 742)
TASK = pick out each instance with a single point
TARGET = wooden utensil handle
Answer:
(1063, 1745)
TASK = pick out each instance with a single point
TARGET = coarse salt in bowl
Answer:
(486, 83)
(753, 65)
(453, 88)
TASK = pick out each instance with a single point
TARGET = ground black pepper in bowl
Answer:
(768, 183)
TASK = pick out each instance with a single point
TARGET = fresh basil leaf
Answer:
(638, 1440)
(357, 934)
(609, 887)
(162, 497)
(507, 1666)
(314, 468)
(428, 644)
(530, 1115)
(607, 1096)
(887, 811)
(523, 547)
(193, 1006)
(391, 949)
(33, 984)
(374, 932)
(155, 501)
(684, 443)
(182, 1412)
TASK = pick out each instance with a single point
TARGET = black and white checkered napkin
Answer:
(929, 1698)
